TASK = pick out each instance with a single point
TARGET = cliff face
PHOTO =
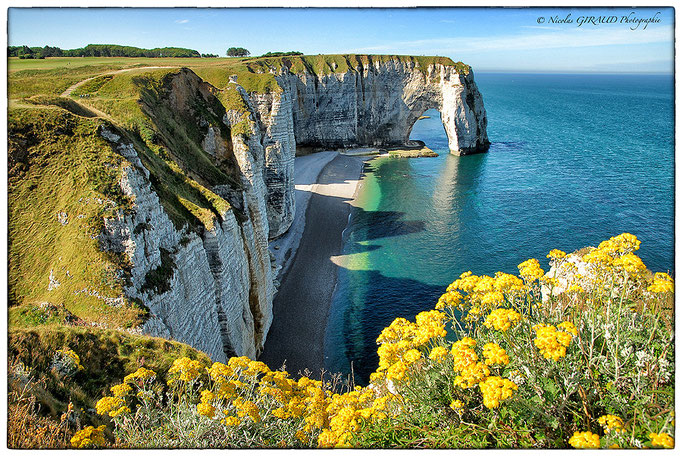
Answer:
(371, 103)
(377, 104)
(207, 170)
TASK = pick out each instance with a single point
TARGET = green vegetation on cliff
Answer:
(42, 369)
(62, 180)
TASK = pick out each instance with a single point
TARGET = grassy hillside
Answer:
(62, 180)
(44, 373)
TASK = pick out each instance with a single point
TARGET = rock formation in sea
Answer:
(209, 280)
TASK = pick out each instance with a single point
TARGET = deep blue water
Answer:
(574, 160)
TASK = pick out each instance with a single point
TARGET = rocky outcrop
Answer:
(374, 104)
(212, 286)
(377, 104)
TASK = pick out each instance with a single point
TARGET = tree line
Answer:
(100, 50)
(115, 50)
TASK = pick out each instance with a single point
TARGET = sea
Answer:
(574, 159)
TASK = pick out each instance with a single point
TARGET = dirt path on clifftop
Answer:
(301, 306)
(68, 91)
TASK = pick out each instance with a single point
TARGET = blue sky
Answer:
(489, 39)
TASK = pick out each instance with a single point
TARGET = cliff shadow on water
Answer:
(402, 248)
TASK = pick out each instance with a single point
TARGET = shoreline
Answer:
(308, 274)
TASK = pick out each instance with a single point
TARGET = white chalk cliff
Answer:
(219, 281)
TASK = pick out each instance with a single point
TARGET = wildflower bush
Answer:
(580, 356)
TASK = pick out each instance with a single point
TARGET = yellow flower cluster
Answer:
(72, 356)
(347, 411)
(184, 370)
(617, 253)
(142, 374)
(482, 292)
(494, 354)
(472, 372)
(611, 423)
(401, 340)
(552, 343)
(662, 440)
(622, 244)
(584, 440)
(112, 406)
(463, 353)
(248, 390)
(121, 390)
(495, 390)
(662, 283)
(438, 354)
(452, 299)
(530, 270)
(457, 405)
(556, 254)
(502, 319)
(630, 263)
(89, 437)
(568, 327)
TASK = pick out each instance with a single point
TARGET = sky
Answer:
(488, 39)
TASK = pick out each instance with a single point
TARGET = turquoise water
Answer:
(574, 160)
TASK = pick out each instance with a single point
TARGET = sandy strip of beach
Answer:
(306, 171)
(301, 306)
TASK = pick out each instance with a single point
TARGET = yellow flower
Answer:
(630, 263)
(552, 343)
(206, 410)
(72, 357)
(185, 369)
(568, 327)
(89, 437)
(502, 319)
(437, 354)
(412, 356)
(449, 299)
(584, 440)
(121, 390)
(280, 413)
(494, 354)
(662, 440)
(531, 270)
(112, 406)
(231, 421)
(495, 390)
(611, 423)
(507, 282)
(662, 283)
(456, 405)
(472, 375)
(556, 254)
(140, 374)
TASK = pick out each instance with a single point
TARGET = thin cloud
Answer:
(543, 27)
(572, 38)
(182, 21)
(448, 21)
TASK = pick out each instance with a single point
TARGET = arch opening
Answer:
(429, 129)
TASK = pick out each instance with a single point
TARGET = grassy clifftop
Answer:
(255, 74)
(63, 179)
